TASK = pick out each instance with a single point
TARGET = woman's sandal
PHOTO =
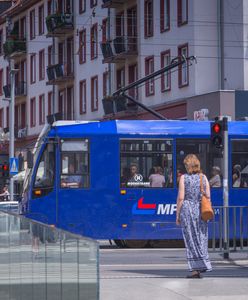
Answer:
(195, 275)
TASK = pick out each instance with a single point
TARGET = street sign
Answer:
(13, 165)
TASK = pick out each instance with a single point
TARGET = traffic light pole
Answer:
(225, 189)
(12, 127)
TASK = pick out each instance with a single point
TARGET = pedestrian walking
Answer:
(194, 229)
(4, 196)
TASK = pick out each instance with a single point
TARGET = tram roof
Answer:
(142, 127)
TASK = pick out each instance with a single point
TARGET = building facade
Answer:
(70, 55)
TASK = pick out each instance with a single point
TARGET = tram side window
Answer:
(211, 163)
(240, 163)
(146, 163)
(44, 178)
(74, 164)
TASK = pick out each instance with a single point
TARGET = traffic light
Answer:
(5, 170)
(217, 133)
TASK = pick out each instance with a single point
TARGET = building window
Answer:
(164, 15)
(49, 55)
(49, 7)
(132, 77)
(7, 117)
(1, 118)
(182, 12)
(41, 19)
(82, 95)
(50, 102)
(32, 24)
(1, 81)
(23, 28)
(42, 109)
(104, 30)
(183, 70)
(41, 64)
(23, 115)
(148, 18)
(105, 84)
(93, 3)
(120, 24)
(33, 68)
(165, 77)
(149, 68)
(94, 93)
(82, 46)
(82, 6)
(120, 78)
(1, 42)
(32, 112)
(93, 41)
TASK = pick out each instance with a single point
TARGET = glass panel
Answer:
(146, 163)
(211, 162)
(45, 173)
(240, 164)
(75, 164)
(39, 262)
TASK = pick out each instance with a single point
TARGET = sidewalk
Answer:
(162, 274)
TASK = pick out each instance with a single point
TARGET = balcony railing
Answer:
(60, 73)
(112, 3)
(58, 24)
(120, 48)
(14, 47)
(20, 89)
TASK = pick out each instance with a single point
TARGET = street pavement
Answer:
(145, 274)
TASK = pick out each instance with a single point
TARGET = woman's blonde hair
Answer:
(192, 164)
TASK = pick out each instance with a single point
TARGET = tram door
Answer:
(73, 182)
(146, 168)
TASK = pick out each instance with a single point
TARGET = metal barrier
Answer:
(36, 265)
(237, 228)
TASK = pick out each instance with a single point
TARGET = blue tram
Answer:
(97, 178)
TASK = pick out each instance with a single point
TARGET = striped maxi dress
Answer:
(194, 229)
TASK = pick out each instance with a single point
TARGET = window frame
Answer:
(88, 159)
(82, 46)
(94, 41)
(232, 163)
(168, 73)
(33, 68)
(45, 190)
(164, 3)
(150, 84)
(33, 112)
(180, 68)
(94, 100)
(42, 109)
(82, 6)
(148, 24)
(42, 64)
(32, 26)
(180, 21)
(172, 140)
(83, 96)
(41, 19)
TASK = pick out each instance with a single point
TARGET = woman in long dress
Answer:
(194, 229)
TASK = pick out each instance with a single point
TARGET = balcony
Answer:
(121, 48)
(14, 47)
(60, 74)
(112, 3)
(59, 24)
(112, 105)
(20, 89)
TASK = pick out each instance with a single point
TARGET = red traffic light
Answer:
(5, 167)
(216, 128)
